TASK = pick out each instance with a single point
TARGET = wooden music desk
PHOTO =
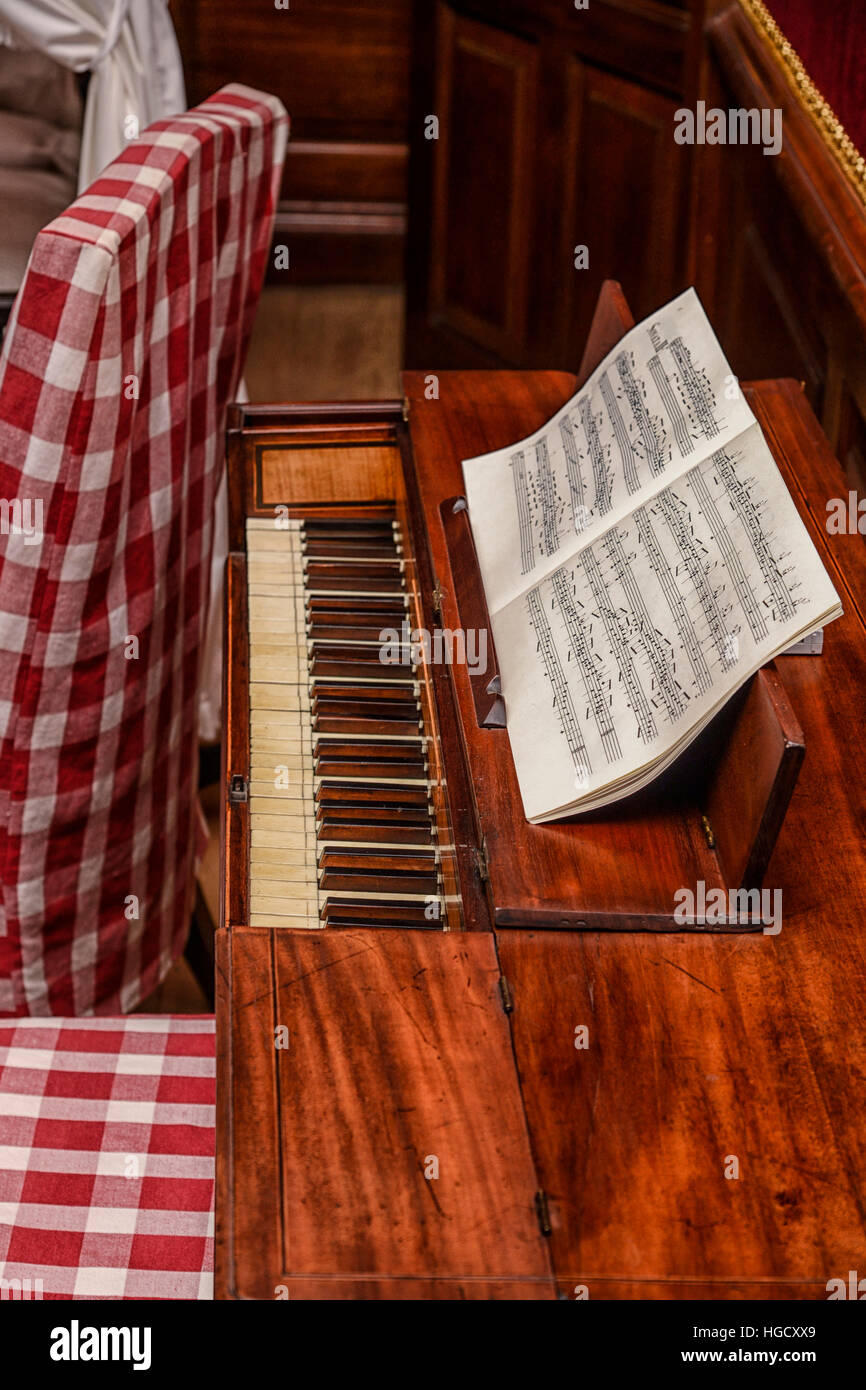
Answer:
(604, 1168)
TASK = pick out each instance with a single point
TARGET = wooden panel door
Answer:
(378, 1148)
(752, 248)
(482, 183)
(556, 130)
(623, 183)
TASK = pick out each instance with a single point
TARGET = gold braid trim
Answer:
(833, 132)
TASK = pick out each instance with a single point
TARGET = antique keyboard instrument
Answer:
(372, 785)
(345, 818)
(344, 829)
(404, 963)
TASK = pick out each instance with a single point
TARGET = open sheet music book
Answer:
(641, 558)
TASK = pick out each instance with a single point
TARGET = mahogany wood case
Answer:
(546, 1095)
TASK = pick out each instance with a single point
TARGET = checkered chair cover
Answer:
(107, 1158)
(125, 345)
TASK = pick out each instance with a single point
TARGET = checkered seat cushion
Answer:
(107, 1158)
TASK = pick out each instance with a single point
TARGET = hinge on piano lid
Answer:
(542, 1211)
(436, 599)
(481, 861)
(239, 789)
(405, 408)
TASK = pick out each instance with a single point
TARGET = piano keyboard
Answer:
(343, 830)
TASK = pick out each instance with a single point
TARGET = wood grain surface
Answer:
(701, 1048)
(398, 1054)
(614, 869)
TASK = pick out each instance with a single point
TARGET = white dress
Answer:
(129, 48)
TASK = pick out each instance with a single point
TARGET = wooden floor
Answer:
(317, 342)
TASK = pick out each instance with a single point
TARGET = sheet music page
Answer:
(663, 399)
(617, 658)
(642, 558)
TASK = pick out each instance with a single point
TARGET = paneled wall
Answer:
(778, 244)
(556, 131)
(342, 71)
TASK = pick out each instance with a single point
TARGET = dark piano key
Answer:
(398, 751)
(359, 663)
(381, 861)
(352, 549)
(349, 526)
(362, 584)
(359, 793)
(321, 629)
(338, 912)
(366, 871)
(322, 573)
(337, 824)
(381, 712)
(329, 766)
(400, 691)
(365, 606)
(327, 722)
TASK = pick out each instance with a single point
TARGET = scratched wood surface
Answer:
(398, 1055)
(703, 1047)
(699, 1049)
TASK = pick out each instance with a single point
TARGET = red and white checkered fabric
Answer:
(125, 346)
(107, 1157)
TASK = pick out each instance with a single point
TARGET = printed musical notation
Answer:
(595, 676)
(661, 561)
(574, 472)
(524, 517)
(549, 655)
(644, 413)
(652, 438)
(680, 611)
(624, 444)
(654, 608)
(697, 390)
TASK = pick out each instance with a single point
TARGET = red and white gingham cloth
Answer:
(106, 1157)
(125, 346)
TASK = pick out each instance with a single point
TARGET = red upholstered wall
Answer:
(830, 38)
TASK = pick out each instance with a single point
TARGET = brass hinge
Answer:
(542, 1211)
(709, 833)
(436, 599)
(505, 995)
(239, 789)
(481, 861)
(405, 408)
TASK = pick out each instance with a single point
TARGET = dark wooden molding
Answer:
(339, 243)
(833, 215)
(235, 769)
